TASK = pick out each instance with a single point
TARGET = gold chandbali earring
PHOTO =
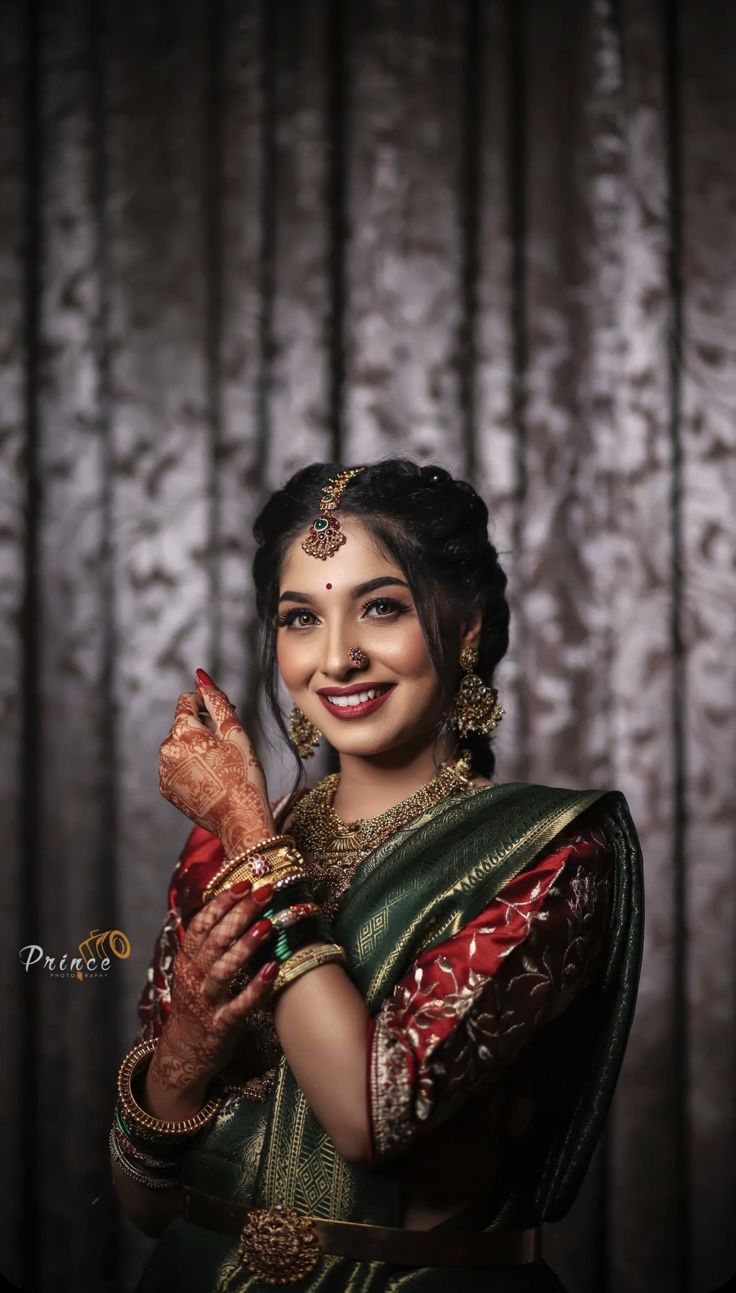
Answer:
(305, 735)
(476, 707)
(325, 536)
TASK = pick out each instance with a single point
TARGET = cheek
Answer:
(287, 659)
(407, 652)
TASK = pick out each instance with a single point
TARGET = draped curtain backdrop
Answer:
(239, 237)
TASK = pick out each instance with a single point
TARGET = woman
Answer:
(386, 1015)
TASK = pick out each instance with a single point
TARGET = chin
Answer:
(361, 745)
(382, 743)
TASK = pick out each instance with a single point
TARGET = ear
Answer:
(471, 627)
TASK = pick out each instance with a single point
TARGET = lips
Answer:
(352, 709)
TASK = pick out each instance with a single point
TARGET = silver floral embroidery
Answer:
(450, 1026)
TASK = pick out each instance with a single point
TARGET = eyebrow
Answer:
(382, 581)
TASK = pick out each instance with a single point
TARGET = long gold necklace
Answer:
(337, 847)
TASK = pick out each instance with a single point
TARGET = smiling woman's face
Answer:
(325, 609)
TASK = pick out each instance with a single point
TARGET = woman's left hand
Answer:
(214, 776)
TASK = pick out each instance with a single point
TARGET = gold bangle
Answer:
(231, 875)
(262, 846)
(306, 959)
(263, 862)
(145, 1123)
(270, 842)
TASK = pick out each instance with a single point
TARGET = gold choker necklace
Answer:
(337, 846)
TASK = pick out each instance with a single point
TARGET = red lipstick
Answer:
(353, 711)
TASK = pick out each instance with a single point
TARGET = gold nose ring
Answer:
(358, 655)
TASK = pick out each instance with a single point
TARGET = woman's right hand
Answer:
(201, 1033)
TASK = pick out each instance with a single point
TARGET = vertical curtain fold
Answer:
(240, 237)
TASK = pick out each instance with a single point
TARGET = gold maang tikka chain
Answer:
(324, 536)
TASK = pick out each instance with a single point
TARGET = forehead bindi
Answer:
(357, 559)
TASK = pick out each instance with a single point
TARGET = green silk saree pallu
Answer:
(410, 894)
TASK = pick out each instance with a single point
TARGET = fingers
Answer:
(220, 709)
(230, 927)
(215, 928)
(186, 704)
(245, 1001)
(210, 915)
(235, 958)
(187, 713)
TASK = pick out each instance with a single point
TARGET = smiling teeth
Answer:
(357, 698)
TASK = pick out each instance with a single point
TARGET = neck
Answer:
(370, 785)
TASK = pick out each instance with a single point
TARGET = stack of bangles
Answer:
(301, 939)
(148, 1149)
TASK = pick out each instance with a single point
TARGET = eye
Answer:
(286, 620)
(389, 602)
(387, 607)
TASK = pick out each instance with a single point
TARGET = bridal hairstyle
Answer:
(436, 530)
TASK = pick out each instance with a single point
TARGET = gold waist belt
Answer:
(280, 1246)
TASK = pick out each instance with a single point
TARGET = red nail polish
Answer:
(263, 893)
(269, 971)
(261, 928)
(242, 887)
(203, 678)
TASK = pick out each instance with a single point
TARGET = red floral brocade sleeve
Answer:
(199, 860)
(468, 1007)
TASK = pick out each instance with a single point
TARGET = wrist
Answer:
(167, 1123)
(311, 957)
(173, 1071)
(151, 1127)
(171, 1103)
(238, 838)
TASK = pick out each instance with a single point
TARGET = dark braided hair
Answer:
(436, 529)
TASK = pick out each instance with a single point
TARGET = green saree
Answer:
(410, 894)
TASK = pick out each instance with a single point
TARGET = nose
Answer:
(336, 662)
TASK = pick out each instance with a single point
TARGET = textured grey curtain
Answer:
(238, 237)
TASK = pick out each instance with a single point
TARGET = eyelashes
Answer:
(287, 619)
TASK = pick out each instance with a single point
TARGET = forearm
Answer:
(150, 1210)
(322, 1023)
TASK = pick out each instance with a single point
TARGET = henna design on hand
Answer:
(201, 1034)
(215, 777)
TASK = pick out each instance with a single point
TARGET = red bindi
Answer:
(328, 585)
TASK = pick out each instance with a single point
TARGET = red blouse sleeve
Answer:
(199, 860)
(469, 1006)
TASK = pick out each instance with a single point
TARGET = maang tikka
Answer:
(476, 707)
(323, 539)
(325, 536)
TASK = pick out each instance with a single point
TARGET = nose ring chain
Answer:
(358, 656)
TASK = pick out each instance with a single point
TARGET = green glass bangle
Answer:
(284, 942)
(288, 897)
(313, 929)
